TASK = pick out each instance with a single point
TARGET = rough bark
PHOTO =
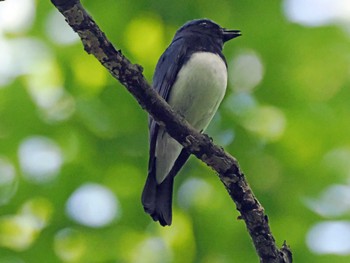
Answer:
(227, 167)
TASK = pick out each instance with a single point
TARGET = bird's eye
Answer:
(204, 24)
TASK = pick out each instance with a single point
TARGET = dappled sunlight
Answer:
(194, 192)
(316, 12)
(333, 202)
(267, 122)
(39, 209)
(6, 68)
(40, 159)
(152, 250)
(8, 181)
(59, 31)
(246, 71)
(330, 237)
(180, 237)
(240, 103)
(144, 38)
(171, 244)
(69, 245)
(42, 75)
(89, 74)
(45, 86)
(16, 16)
(16, 60)
(93, 205)
(224, 137)
(18, 232)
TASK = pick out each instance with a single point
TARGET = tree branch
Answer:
(130, 75)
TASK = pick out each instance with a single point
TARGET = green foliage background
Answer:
(290, 133)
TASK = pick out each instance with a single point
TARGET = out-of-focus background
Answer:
(74, 150)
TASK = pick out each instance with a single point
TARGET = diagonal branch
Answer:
(130, 75)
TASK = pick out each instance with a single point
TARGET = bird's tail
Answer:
(157, 198)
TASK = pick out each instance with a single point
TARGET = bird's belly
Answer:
(199, 89)
(197, 93)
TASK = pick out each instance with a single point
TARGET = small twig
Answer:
(130, 75)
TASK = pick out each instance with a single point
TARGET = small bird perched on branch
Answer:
(191, 76)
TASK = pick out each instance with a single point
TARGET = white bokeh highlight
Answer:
(40, 159)
(152, 250)
(332, 237)
(317, 12)
(16, 60)
(333, 202)
(246, 71)
(193, 192)
(93, 205)
(240, 103)
(8, 181)
(58, 30)
(43, 77)
(16, 16)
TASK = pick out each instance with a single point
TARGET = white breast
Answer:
(199, 88)
(196, 95)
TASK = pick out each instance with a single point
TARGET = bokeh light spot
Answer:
(194, 192)
(16, 60)
(40, 159)
(224, 137)
(152, 250)
(334, 201)
(180, 237)
(246, 71)
(45, 85)
(58, 30)
(17, 232)
(145, 39)
(93, 205)
(331, 237)
(39, 209)
(90, 75)
(266, 121)
(8, 181)
(316, 12)
(16, 16)
(240, 103)
(69, 245)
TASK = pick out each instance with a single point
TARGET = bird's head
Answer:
(207, 28)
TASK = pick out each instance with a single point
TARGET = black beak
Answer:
(230, 34)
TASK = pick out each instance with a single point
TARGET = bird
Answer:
(191, 75)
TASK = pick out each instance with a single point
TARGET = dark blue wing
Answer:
(168, 67)
(164, 77)
(157, 198)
